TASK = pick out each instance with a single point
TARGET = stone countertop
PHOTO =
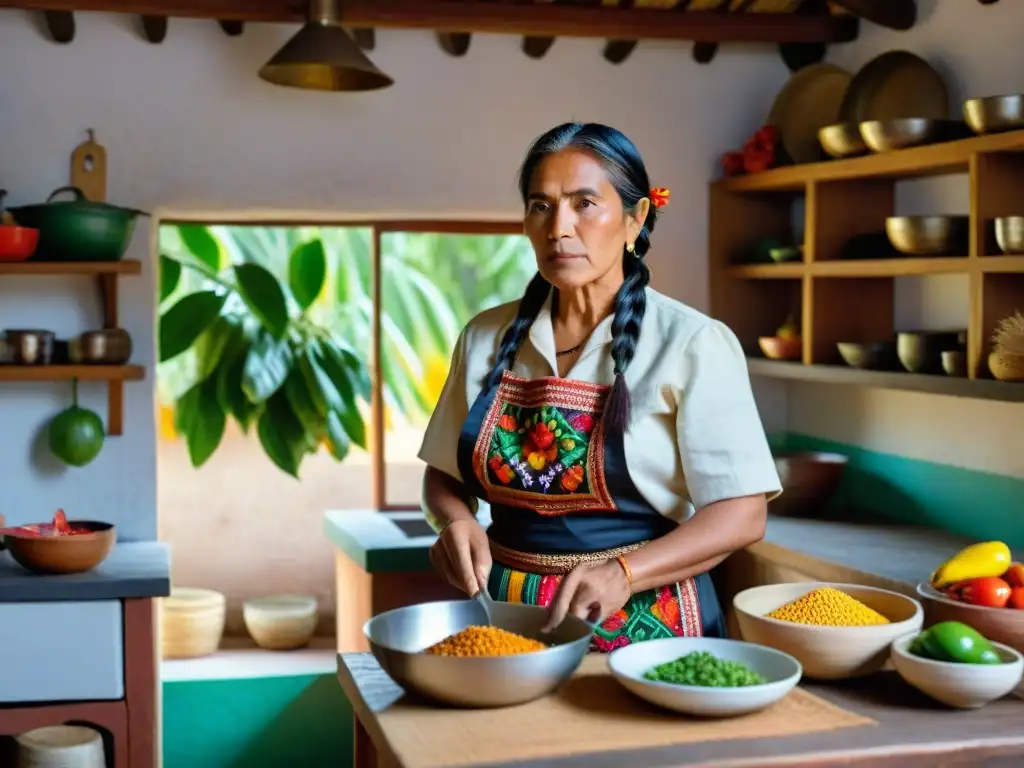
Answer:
(134, 569)
(905, 554)
(384, 542)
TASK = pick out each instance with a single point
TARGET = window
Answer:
(396, 292)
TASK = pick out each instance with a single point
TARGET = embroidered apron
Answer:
(537, 452)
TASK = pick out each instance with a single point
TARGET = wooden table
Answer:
(909, 731)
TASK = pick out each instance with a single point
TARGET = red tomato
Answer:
(988, 592)
(1014, 575)
(1016, 598)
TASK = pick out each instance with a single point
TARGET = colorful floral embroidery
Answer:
(541, 446)
(670, 611)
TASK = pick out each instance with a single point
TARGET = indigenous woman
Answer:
(611, 429)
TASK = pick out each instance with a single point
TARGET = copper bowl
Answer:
(76, 553)
(809, 480)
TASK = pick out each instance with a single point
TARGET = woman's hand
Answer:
(463, 556)
(592, 592)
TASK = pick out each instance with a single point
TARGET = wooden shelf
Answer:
(69, 372)
(931, 160)
(106, 275)
(870, 268)
(953, 386)
(997, 264)
(95, 268)
(852, 300)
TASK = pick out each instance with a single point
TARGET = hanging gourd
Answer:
(76, 434)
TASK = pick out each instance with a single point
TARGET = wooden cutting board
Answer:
(89, 169)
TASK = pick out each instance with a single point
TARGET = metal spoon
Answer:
(485, 600)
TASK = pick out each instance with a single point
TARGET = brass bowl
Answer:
(842, 140)
(1010, 234)
(993, 114)
(887, 135)
(927, 235)
(781, 348)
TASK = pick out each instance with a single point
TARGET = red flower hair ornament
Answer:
(659, 197)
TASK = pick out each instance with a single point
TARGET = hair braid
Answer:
(536, 294)
(630, 306)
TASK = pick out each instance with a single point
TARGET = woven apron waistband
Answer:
(553, 565)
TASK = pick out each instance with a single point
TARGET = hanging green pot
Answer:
(78, 230)
(76, 434)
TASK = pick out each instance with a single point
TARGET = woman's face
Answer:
(576, 221)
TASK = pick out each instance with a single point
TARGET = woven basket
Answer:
(192, 623)
(1006, 366)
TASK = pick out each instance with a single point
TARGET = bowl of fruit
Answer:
(786, 344)
(955, 664)
(981, 586)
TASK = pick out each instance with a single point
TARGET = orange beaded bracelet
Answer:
(621, 560)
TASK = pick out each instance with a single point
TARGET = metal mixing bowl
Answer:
(842, 140)
(927, 235)
(399, 637)
(993, 114)
(888, 135)
(1010, 234)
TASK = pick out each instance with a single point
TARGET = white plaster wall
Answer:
(977, 49)
(189, 126)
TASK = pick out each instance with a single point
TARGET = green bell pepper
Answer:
(955, 642)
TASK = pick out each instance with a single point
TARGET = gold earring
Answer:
(630, 248)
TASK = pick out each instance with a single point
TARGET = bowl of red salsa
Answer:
(62, 546)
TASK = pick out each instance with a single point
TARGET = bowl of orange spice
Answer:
(449, 652)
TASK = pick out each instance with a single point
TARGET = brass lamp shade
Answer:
(322, 57)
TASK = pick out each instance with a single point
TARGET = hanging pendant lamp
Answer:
(323, 57)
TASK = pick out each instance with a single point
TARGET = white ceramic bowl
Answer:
(827, 653)
(964, 686)
(281, 622)
(782, 671)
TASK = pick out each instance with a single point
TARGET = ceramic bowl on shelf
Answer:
(994, 114)
(954, 362)
(927, 235)
(809, 479)
(827, 652)
(59, 555)
(17, 243)
(781, 348)
(781, 672)
(61, 746)
(963, 686)
(872, 356)
(281, 622)
(921, 351)
(999, 625)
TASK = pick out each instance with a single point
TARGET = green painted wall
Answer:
(981, 505)
(271, 722)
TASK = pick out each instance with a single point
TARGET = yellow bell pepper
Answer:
(987, 559)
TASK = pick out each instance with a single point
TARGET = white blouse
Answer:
(695, 436)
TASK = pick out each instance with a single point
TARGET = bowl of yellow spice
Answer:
(458, 653)
(834, 630)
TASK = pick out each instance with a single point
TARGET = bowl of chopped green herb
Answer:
(705, 676)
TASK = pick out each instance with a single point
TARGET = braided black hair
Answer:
(627, 174)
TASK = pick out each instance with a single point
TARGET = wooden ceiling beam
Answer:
(544, 20)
